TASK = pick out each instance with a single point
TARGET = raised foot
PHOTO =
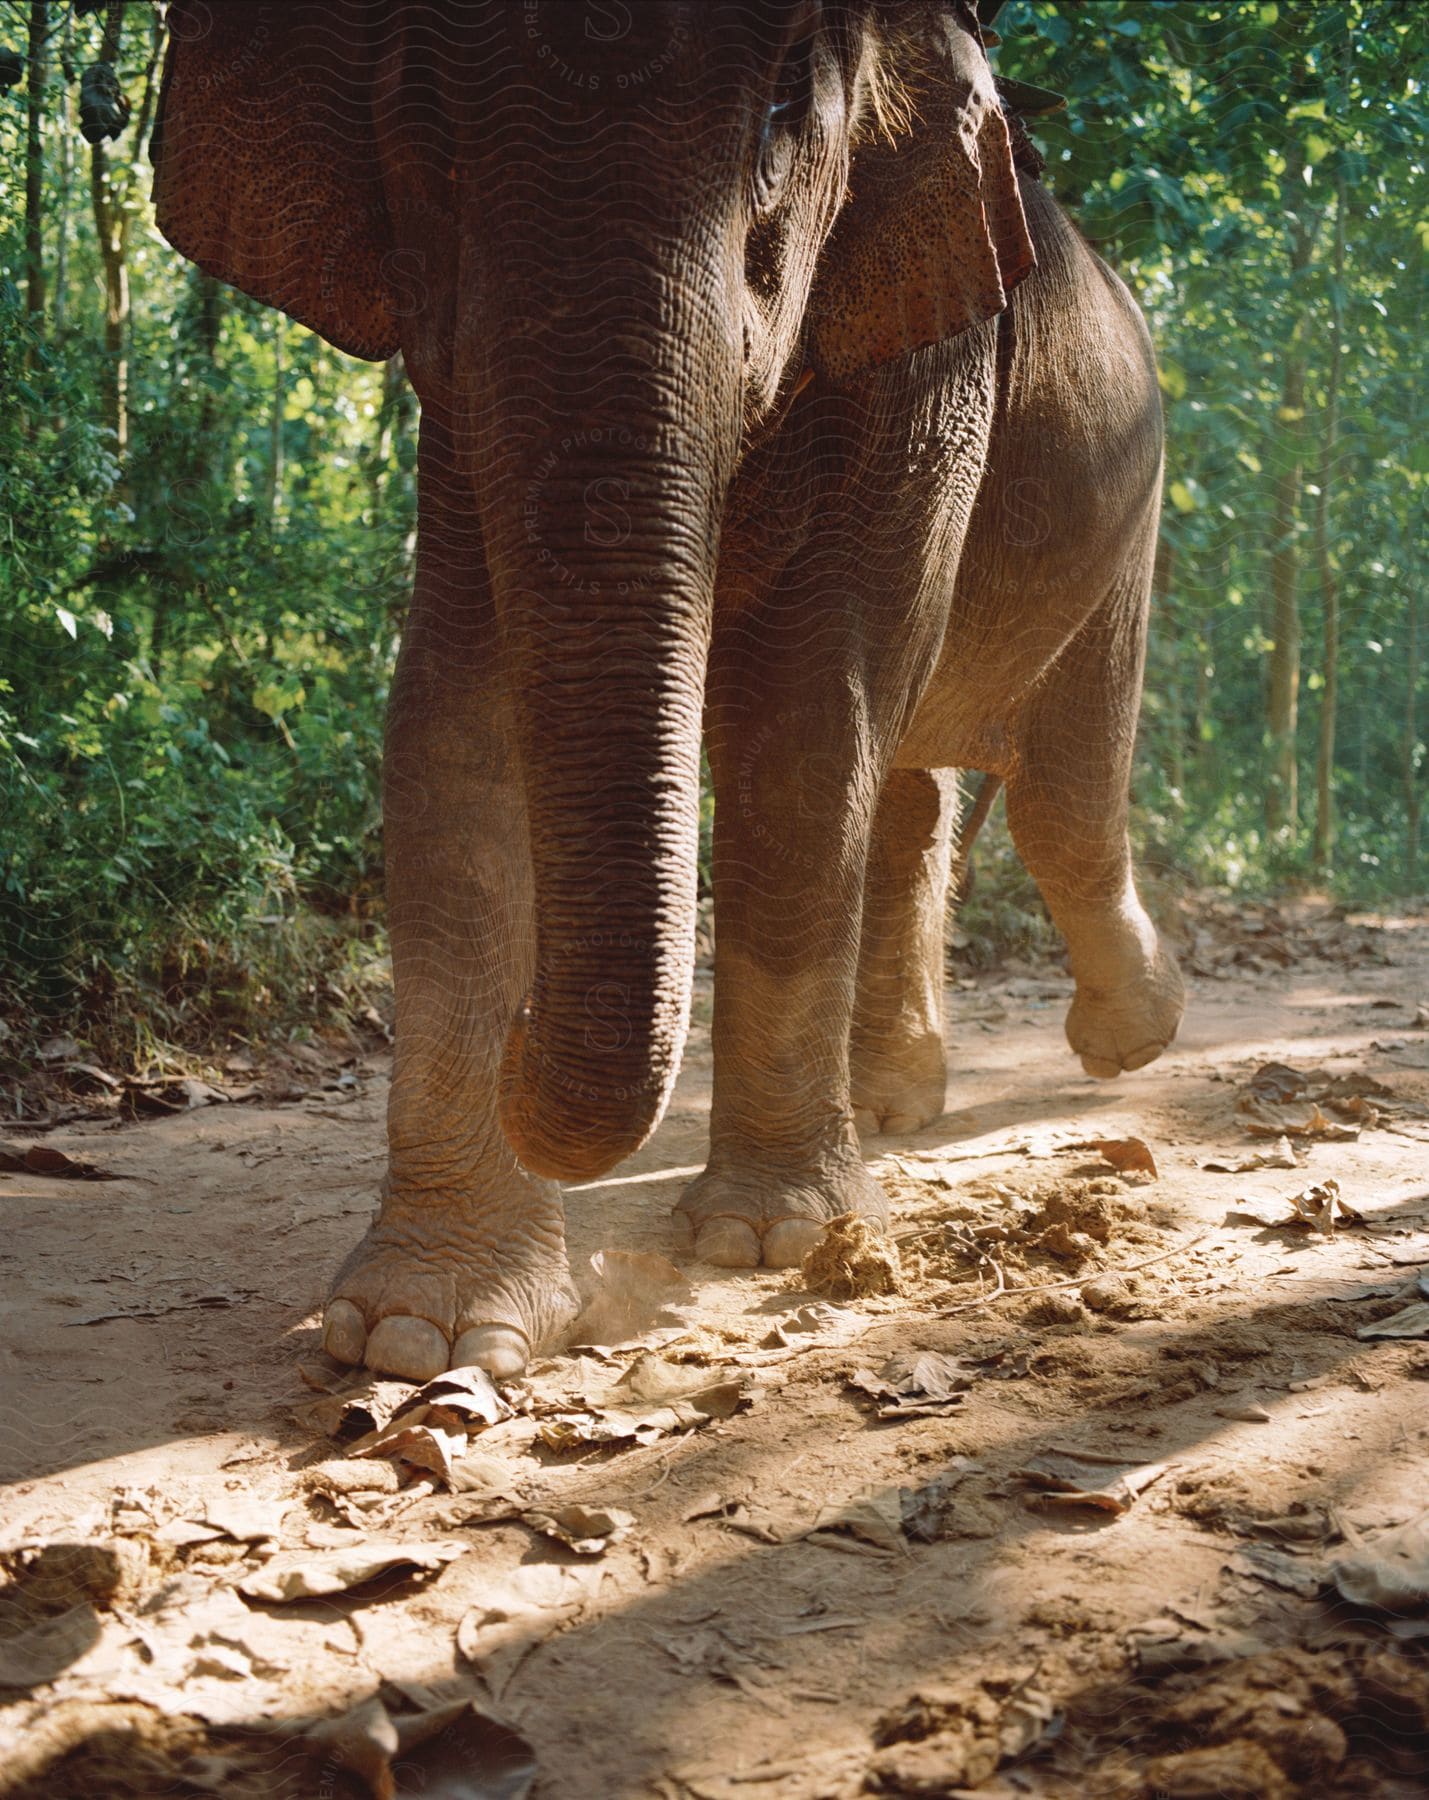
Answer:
(740, 1218)
(436, 1286)
(898, 1087)
(1125, 1027)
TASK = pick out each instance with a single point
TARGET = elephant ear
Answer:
(265, 171)
(932, 237)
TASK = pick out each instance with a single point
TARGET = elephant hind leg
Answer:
(897, 1061)
(1067, 799)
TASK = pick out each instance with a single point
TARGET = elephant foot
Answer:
(740, 1218)
(1126, 1026)
(436, 1286)
(898, 1087)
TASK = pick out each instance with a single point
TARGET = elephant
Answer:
(770, 405)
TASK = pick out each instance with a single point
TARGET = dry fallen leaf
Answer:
(651, 1399)
(1063, 1479)
(1411, 1322)
(451, 1752)
(874, 1516)
(242, 1517)
(517, 1611)
(936, 1511)
(301, 1574)
(588, 1530)
(365, 1404)
(416, 1443)
(44, 1159)
(1391, 1571)
(176, 1094)
(1298, 1118)
(362, 1743)
(433, 1432)
(1320, 1207)
(1294, 1574)
(1281, 1100)
(470, 1393)
(1128, 1156)
(1281, 1155)
(913, 1384)
(817, 1321)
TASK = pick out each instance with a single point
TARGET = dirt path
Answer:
(798, 1569)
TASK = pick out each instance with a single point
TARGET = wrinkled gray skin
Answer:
(733, 411)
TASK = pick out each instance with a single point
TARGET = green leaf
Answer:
(1181, 497)
(274, 698)
(1172, 378)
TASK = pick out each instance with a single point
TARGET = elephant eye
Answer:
(786, 111)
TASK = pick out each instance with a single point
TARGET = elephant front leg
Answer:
(465, 1262)
(898, 1065)
(793, 799)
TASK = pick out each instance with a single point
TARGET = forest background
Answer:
(207, 518)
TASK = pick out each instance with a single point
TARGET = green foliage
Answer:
(197, 625)
(196, 630)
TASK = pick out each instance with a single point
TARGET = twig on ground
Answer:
(1075, 1281)
(969, 1244)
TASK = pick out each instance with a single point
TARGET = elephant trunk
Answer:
(608, 697)
(600, 511)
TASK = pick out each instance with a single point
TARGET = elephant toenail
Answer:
(344, 1334)
(499, 1349)
(728, 1243)
(789, 1241)
(412, 1348)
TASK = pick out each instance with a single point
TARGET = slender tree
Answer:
(1411, 771)
(1288, 439)
(1329, 585)
(273, 481)
(35, 93)
(66, 176)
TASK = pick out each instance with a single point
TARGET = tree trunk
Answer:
(273, 491)
(382, 436)
(111, 226)
(38, 65)
(109, 194)
(1283, 695)
(1329, 588)
(1411, 742)
(1283, 700)
(66, 148)
(391, 492)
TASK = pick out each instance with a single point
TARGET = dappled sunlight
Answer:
(1274, 1436)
